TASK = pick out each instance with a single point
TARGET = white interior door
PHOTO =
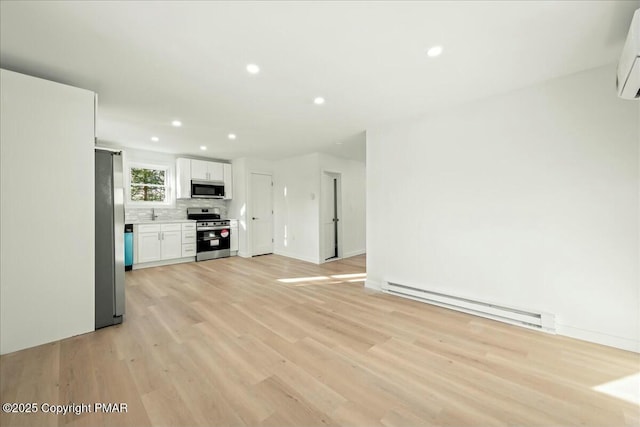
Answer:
(261, 214)
(330, 215)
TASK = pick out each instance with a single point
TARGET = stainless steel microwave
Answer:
(207, 189)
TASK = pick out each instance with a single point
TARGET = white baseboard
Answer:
(354, 253)
(298, 257)
(599, 338)
(164, 262)
(244, 254)
(370, 284)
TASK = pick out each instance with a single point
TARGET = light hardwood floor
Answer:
(225, 343)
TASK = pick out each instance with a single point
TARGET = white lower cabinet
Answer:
(157, 242)
(148, 246)
(188, 240)
(171, 243)
(189, 249)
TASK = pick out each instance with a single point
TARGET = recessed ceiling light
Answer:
(203, 148)
(318, 100)
(176, 123)
(434, 51)
(231, 136)
(155, 139)
(253, 69)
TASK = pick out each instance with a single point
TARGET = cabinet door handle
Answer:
(158, 235)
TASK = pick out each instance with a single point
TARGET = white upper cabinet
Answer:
(228, 181)
(207, 171)
(216, 171)
(200, 170)
(188, 169)
(183, 179)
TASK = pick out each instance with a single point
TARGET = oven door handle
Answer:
(211, 228)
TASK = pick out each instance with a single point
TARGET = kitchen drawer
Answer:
(170, 227)
(189, 226)
(188, 236)
(148, 228)
(189, 249)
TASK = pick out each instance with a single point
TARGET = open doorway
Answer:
(331, 214)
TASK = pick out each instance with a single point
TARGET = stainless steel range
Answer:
(213, 234)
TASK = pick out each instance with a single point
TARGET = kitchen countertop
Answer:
(161, 221)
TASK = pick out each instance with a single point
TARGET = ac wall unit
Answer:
(628, 79)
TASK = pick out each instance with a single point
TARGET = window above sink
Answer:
(149, 185)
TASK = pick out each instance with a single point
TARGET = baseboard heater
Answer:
(526, 318)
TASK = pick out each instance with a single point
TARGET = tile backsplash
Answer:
(179, 212)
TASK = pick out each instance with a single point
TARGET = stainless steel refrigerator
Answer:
(109, 229)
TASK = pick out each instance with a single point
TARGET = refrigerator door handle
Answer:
(118, 230)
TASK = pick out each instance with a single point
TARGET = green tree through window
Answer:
(148, 185)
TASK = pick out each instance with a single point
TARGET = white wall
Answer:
(528, 199)
(240, 206)
(298, 222)
(297, 213)
(47, 214)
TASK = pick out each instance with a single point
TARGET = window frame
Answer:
(168, 185)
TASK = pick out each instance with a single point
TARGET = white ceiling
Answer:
(152, 62)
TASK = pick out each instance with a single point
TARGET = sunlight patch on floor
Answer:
(626, 388)
(334, 279)
(350, 276)
(303, 279)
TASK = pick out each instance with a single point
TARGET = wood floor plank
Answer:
(238, 391)
(35, 381)
(166, 407)
(273, 341)
(291, 407)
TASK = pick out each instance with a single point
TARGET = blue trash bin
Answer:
(128, 247)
